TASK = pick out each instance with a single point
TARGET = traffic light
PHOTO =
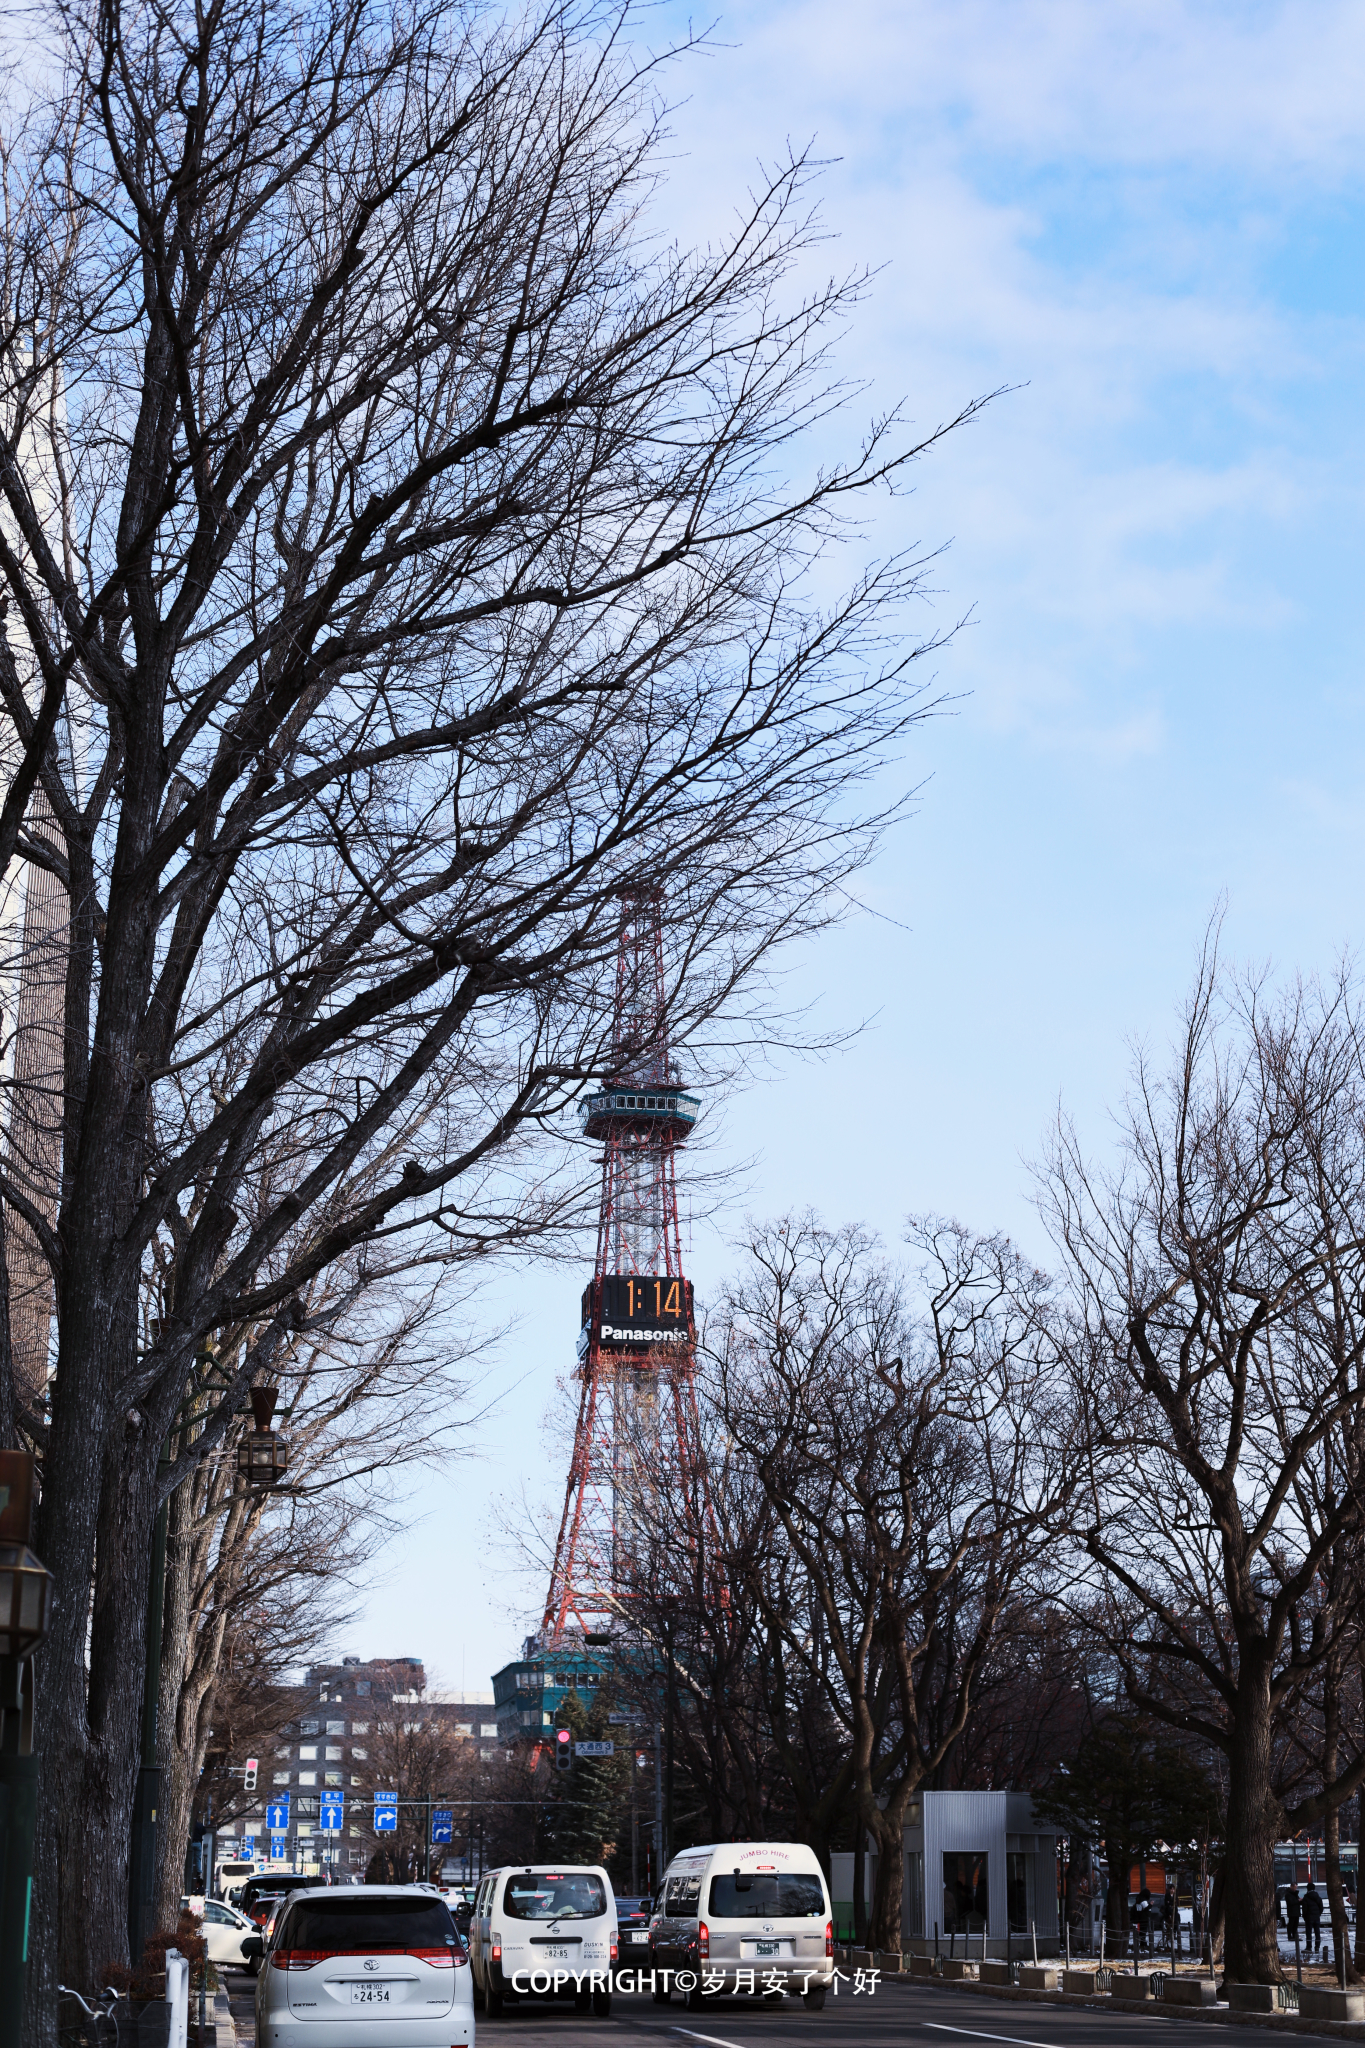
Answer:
(564, 1748)
(249, 1775)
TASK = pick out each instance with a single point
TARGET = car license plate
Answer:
(557, 1955)
(639, 1937)
(767, 1948)
(371, 1994)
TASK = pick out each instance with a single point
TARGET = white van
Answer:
(744, 1917)
(544, 1930)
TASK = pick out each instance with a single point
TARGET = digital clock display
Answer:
(639, 1310)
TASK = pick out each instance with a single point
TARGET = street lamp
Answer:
(25, 1618)
(262, 1455)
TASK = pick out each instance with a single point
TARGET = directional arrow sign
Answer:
(277, 1816)
(278, 1848)
(442, 1829)
(330, 1813)
(594, 1749)
(385, 1817)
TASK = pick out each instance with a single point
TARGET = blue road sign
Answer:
(330, 1813)
(277, 1816)
(442, 1827)
(279, 1848)
(385, 1816)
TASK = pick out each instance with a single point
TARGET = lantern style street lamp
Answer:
(25, 1618)
(262, 1454)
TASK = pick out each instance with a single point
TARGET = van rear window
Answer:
(334, 1925)
(570, 1895)
(789, 1895)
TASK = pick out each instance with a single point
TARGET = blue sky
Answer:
(1148, 218)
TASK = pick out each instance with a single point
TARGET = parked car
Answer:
(224, 1931)
(387, 1951)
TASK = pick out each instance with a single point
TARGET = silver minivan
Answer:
(744, 1917)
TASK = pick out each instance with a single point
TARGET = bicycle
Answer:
(103, 2031)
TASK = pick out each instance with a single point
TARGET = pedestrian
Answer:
(1142, 1913)
(1312, 1916)
(1291, 1911)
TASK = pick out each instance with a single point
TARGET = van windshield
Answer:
(777, 1895)
(561, 1895)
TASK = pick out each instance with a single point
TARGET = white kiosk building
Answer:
(975, 1863)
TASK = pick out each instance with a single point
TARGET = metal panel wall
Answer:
(958, 1821)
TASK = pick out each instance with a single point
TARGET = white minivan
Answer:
(542, 1930)
(364, 1966)
(744, 1917)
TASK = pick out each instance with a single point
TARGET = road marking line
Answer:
(1017, 2039)
(714, 2040)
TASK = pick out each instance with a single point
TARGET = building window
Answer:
(488, 1727)
(357, 1751)
(308, 1727)
(333, 1755)
(308, 1753)
(331, 1777)
(308, 1777)
(336, 1727)
(363, 1687)
(356, 1778)
(965, 1897)
(281, 1777)
(1016, 1890)
(360, 1727)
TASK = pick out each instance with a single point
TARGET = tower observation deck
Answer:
(636, 1455)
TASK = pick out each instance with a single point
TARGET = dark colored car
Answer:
(462, 1914)
(632, 1919)
(261, 1894)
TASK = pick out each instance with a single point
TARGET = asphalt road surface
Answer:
(896, 2014)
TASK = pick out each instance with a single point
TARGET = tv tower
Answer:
(637, 1437)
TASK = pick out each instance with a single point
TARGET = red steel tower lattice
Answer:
(637, 1438)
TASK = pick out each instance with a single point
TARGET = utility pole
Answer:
(659, 1803)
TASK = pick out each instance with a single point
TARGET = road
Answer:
(897, 2014)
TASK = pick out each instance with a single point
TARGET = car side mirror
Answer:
(253, 1945)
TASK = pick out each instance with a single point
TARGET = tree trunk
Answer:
(180, 1759)
(81, 1845)
(888, 1832)
(1251, 1952)
(1331, 1744)
(859, 1887)
(1120, 1858)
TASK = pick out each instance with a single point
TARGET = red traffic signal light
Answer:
(564, 1748)
(249, 1774)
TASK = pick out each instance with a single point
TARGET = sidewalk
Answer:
(1154, 2008)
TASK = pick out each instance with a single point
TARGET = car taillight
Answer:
(439, 1958)
(497, 1948)
(703, 1940)
(829, 1937)
(298, 1958)
(615, 1950)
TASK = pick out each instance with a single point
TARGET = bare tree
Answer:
(407, 552)
(911, 1459)
(231, 1552)
(1218, 1355)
